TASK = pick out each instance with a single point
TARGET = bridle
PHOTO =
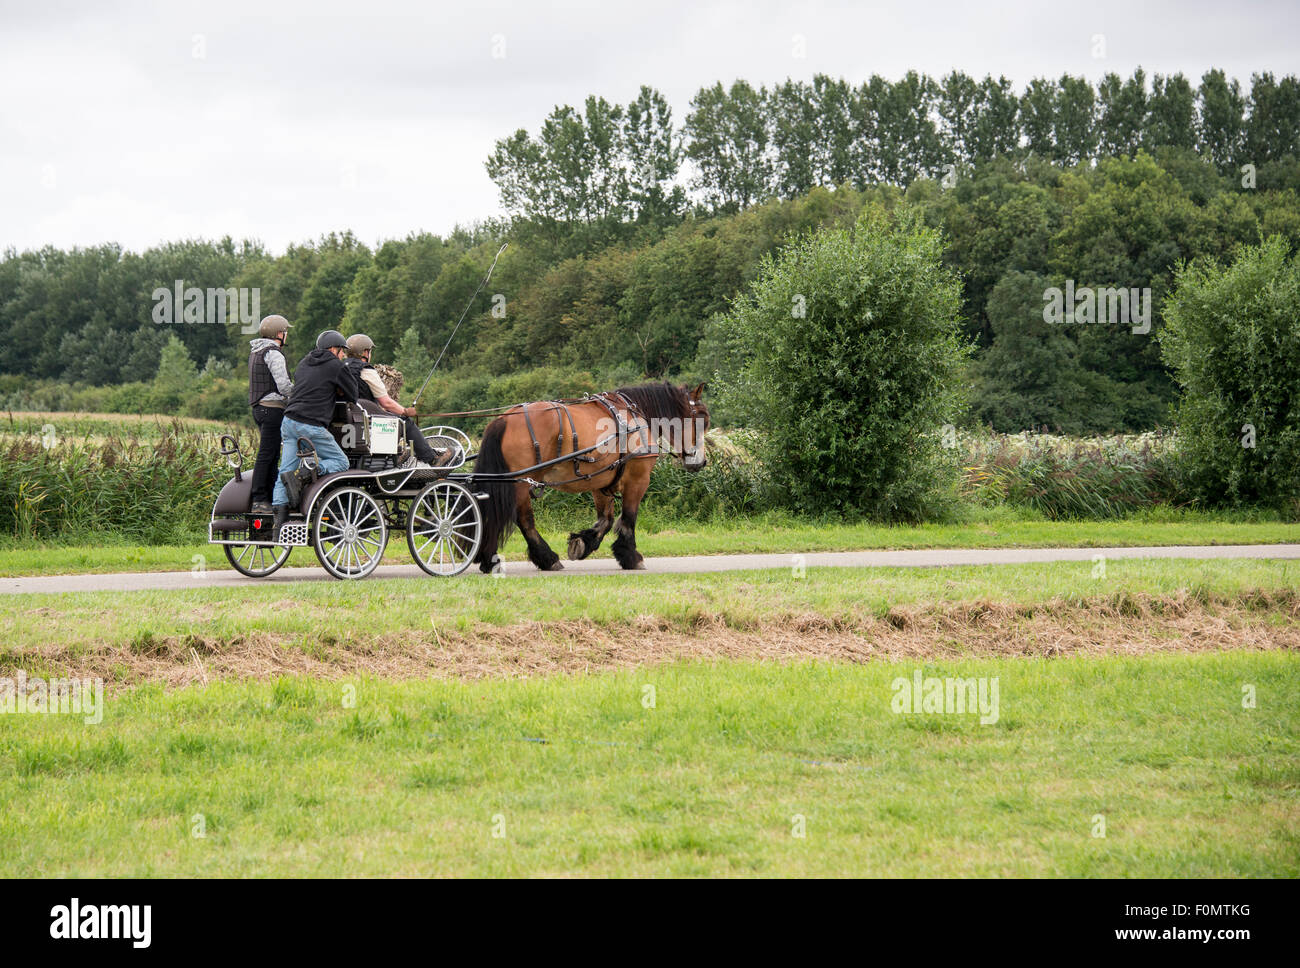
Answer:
(694, 409)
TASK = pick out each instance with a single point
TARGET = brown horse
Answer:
(615, 437)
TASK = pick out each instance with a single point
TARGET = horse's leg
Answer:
(539, 552)
(635, 482)
(583, 543)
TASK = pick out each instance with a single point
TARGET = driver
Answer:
(372, 395)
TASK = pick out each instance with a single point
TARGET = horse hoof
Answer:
(577, 548)
(558, 566)
(639, 566)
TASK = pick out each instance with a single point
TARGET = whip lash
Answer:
(416, 401)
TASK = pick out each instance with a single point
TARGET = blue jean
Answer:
(332, 458)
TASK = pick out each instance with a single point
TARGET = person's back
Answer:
(319, 381)
(268, 389)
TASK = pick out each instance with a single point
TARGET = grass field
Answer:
(725, 724)
(733, 769)
(770, 534)
(76, 424)
(735, 724)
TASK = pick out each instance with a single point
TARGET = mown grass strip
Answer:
(324, 612)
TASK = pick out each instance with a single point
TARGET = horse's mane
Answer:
(655, 399)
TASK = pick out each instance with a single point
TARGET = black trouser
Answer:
(421, 446)
(422, 449)
(268, 451)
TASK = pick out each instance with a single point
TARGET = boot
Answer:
(292, 487)
(262, 507)
(281, 516)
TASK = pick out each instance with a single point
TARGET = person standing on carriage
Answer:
(319, 381)
(268, 390)
(373, 396)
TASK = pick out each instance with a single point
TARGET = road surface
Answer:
(698, 564)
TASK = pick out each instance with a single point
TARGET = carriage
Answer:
(347, 518)
(453, 518)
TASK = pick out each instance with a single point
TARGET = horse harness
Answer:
(622, 429)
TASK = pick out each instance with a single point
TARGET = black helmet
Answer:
(329, 339)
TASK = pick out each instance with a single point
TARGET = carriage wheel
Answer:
(256, 561)
(350, 533)
(444, 528)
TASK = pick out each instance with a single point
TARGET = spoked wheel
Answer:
(349, 533)
(444, 528)
(256, 561)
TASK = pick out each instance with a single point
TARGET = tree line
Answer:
(617, 166)
(631, 286)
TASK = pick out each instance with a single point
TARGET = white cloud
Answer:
(309, 117)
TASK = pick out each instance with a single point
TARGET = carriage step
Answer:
(293, 534)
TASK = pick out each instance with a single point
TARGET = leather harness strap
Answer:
(573, 432)
(616, 404)
(537, 447)
(623, 430)
(578, 458)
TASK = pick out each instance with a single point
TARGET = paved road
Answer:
(224, 577)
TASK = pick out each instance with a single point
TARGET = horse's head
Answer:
(695, 424)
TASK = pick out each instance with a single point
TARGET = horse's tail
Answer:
(499, 508)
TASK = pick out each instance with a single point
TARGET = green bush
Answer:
(845, 354)
(1232, 338)
(734, 483)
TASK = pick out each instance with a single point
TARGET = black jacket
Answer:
(319, 382)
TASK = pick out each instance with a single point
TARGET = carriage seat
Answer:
(370, 441)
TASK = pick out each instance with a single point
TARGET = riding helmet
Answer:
(358, 344)
(329, 339)
(273, 326)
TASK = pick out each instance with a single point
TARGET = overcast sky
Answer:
(145, 122)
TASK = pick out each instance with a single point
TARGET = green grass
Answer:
(580, 777)
(307, 611)
(771, 534)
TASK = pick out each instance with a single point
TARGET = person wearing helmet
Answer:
(319, 381)
(373, 396)
(268, 389)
